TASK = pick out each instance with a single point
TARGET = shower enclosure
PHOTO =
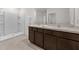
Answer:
(11, 22)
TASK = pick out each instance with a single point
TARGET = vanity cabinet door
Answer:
(39, 39)
(64, 44)
(31, 35)
(77, 45)
(49, 42)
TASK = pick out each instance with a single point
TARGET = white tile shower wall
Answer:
(10, 21)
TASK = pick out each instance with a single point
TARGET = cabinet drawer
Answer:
(72, 36)
(58, 33)
(48, 32)
(40, 30)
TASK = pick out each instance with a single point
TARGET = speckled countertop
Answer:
(59, 28)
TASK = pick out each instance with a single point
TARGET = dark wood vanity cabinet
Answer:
(49, 42)
(36, 36)
(72, 36)
(31, 34)
(53, 40)
(39, 39)
(64, 44)
(77, 45)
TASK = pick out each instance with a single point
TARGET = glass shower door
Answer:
(21, 20)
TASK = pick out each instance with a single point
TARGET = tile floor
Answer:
(18, 43)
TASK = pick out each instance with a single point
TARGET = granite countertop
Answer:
(59, 28)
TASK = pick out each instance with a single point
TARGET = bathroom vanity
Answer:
(58, 30)
(54, 38)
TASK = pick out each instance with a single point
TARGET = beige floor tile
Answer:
(18, 43)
